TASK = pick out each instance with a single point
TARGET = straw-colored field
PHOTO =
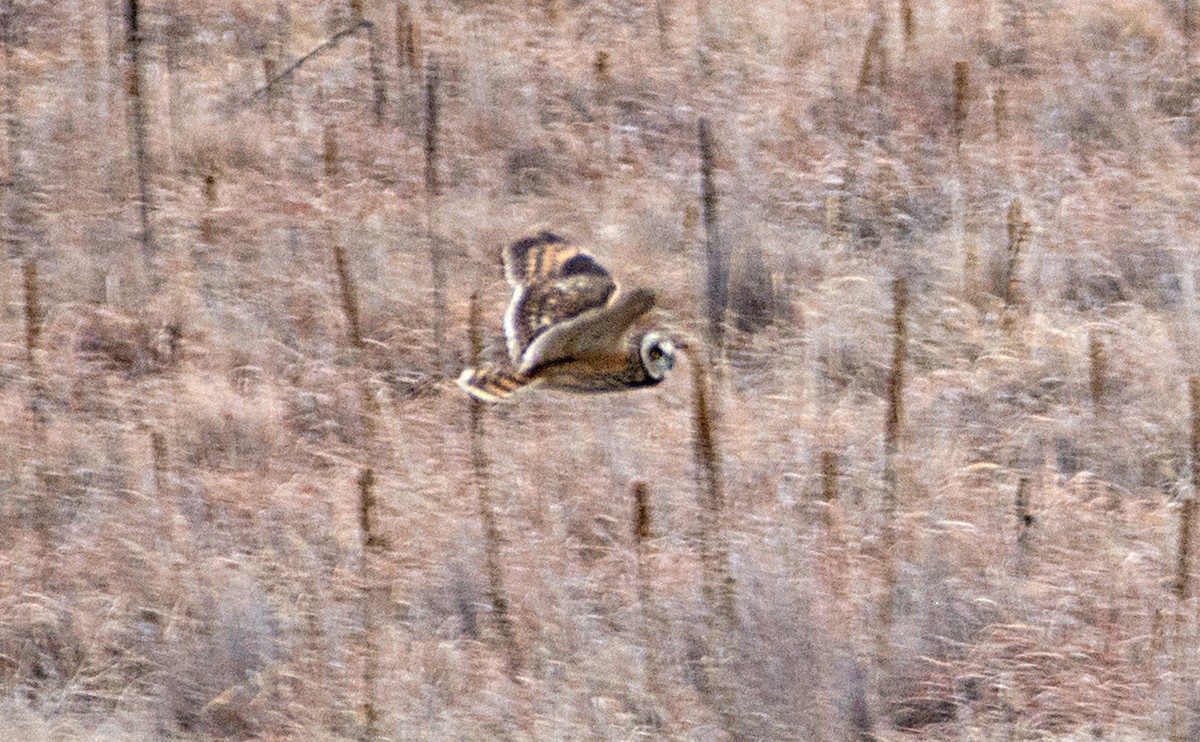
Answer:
(241, 496)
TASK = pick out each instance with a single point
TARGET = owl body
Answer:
(569, 328)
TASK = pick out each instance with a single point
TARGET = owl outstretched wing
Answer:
(553, 283)
(595, 333)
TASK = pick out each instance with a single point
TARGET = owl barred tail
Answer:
(492, 384)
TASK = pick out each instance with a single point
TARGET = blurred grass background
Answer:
(182, 543)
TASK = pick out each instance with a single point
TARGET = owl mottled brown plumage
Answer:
(569, 328)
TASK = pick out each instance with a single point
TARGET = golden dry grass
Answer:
(180, 546)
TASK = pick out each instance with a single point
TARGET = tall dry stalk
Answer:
(1024, 523)
(962, 82)
(1019, 230)
(704, 32)
(33, 313)
(348, 291)
(718, 588)
(1000, 112)
(908, 22)
(432, 191)
(138, 124)
(873, 71)
(1097, 370)
(662, 19)
(716, 282)
(13, 131)
(829, 483)
(972, 289)
(329, 150)
(369, 543)
(892, 440)
(349, 295)
(602, 95)
(408, 47)
(375, 65)
(167, 505)
(1182, 587)
(270, 68)
(1183, 555)
(492, 537)
(643, 533)
(207, 223)
(1185, 30)
(838, 566)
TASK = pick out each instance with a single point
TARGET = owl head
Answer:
(658, 355)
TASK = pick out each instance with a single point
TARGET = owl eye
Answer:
(655, 353)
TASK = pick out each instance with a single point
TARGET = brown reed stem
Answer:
(1182, 588)
(643, 532)
(662, 18)
(718, 588)
(13, 237)
(1000, 113)
(602, 71)
(207, 223)
(1019, 231)
(1186, 32)
(375, 63)
(704, 38)
(1183, 556)
(432, 115)
(329, 150)
(895, 387)
(432, 191)
(349, 294)
(407, 47)
(838, 565)
(137, 109)
(1024, 523)
(962, 74)
(33, 312)
(168, 507)
(493, 540)
(716, 283)
(829, 483)
(873, 69)
(892, 439)
(1097, 370)
(369, 543)
(908, 22)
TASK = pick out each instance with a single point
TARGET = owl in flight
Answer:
(569, 328)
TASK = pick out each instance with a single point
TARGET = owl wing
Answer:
(553, 282)
(595, 332)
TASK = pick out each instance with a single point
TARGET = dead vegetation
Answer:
(938, 481)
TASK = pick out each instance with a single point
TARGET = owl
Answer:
(569, 328)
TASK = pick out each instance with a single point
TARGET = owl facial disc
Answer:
(658, 354)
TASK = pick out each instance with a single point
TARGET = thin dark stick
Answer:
(133, 39)
(716, 278)
(432, 191)
(492, 538)
(379, 89)
(717, 586)
(893, 431)
(33, 312)
(349, 295)
(368, 542)
(288, 71)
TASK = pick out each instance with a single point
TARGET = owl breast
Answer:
(596, 374)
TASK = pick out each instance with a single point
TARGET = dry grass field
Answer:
(937, 484)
